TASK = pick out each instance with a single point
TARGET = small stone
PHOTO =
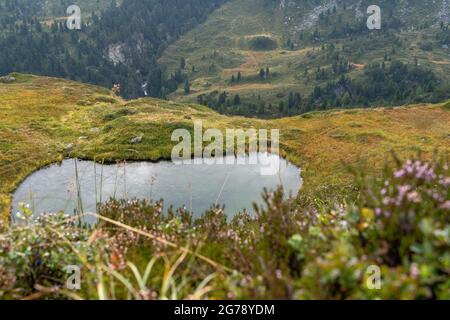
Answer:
(136, 140)
(95, 130)
(7, 79)
(68, 147)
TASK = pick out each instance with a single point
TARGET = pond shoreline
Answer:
(6, 214)
(289, 173)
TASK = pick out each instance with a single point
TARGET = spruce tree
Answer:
(187, 87)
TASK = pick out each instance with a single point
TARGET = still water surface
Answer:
(196, 187)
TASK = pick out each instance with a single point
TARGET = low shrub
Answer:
(392, 242)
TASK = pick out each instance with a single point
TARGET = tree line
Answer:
(382, 84)
(138, 29)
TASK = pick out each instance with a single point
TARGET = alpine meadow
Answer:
(231, 150)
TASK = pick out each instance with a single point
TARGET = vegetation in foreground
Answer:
(400, 226)
(317, 246)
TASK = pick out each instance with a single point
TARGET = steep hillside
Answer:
(275, 58)
(266, 58)
(118, 43)
(43, 120)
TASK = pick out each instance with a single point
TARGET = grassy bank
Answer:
(44, 120)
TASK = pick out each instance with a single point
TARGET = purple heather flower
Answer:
(414, 197)
(446, 205)
(378, 212)
(399, 174)
(402, 191)
(445, 182)
(415, 272)
(279, 274)
(409, 169)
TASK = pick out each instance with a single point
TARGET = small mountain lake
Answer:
(194, 186)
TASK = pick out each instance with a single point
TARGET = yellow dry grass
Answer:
(40, 117)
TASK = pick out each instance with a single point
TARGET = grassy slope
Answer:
(40, 117)
(219, 48)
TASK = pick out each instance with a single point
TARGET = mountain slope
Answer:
(256, 57)
(44, 120)
(118, 43)
(290, 57)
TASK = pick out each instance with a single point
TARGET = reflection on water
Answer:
(195, 187)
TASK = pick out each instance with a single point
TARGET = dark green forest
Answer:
(140, 28)
(388, 83)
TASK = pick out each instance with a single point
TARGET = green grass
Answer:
(42, 117)
(219, 48)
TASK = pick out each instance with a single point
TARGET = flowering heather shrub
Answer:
(411, 206)
(400, 225)
(37, 254)
(409, 224)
